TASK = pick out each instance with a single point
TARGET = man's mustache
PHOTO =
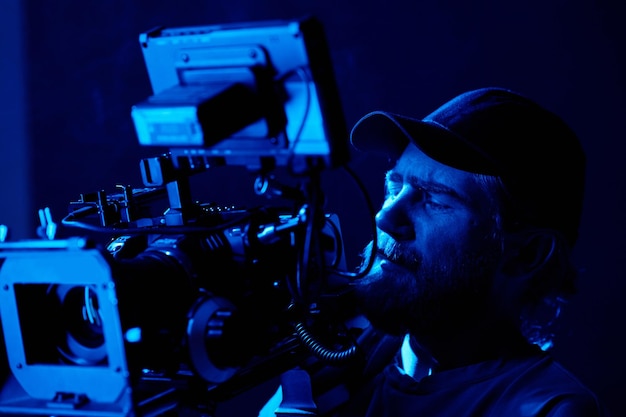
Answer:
(397, 252)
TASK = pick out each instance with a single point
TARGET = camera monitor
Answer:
(247, 94)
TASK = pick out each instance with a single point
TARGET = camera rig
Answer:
(198, 302)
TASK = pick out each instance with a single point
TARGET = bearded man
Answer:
(481, 212)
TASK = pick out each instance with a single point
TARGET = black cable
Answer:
(370, 206)
(322, 352)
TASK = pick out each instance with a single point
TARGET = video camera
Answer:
(199, 301)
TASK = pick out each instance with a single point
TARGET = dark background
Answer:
(72, 69)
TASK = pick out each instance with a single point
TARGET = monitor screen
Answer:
(243, 94)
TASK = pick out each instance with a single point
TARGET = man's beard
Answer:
(426, 296)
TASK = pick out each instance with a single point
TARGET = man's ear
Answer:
(527, 252)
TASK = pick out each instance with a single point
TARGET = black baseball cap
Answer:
(498, 132)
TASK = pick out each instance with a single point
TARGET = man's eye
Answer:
(392, 189)
(435, 205)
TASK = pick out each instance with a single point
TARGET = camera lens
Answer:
(82, 318)
(84, 336)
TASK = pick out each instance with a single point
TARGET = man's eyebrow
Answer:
(432, 187)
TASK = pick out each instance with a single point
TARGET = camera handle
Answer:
(293, 398)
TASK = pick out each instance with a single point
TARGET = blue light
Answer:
(133, 335)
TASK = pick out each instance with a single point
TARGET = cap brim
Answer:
(390, 133)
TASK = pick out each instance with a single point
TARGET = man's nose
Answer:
(394, 218)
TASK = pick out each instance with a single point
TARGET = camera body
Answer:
(160, 320)
(199, 302)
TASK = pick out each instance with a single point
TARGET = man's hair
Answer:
(552, 285)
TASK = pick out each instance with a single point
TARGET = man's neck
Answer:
(454, 350)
